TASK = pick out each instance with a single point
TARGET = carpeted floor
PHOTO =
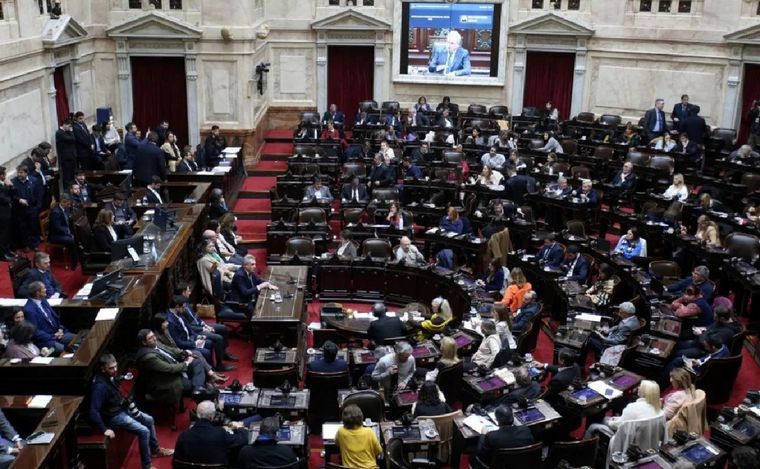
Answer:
(252, 205)
(275, 148)
(259, 183)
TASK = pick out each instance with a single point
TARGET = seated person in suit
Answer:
(103, 231)
(559, 190)
(708, 204)
(587, 194)
(59, 230)
(724, 329)
(452, 59)
(354, 192)
(381, 175)
(123, 215)
(563, 374)
(108, 413)
(87, 190)
(217, 206)
(408, 253)
(213, 331)
(265, 452)
(318, 191)
(423, 153)
(530, 307)
(693, 308)
(629, 245)
(329, 363)
(700, 277)
(20, 344)
(410, 170)
(713, 349)
(384, 327)
(334, 116)
(551, 253)
(493, 280)
(446, 121)
(525, 388)
(624, 180)
(429, 401)
(188, 163)
(507, 436)
(575, 265)
(41, 273)
(646, 406)
(186, 339)
(346, 247)
(246, 285)
(153, 192)
(205, 442)
(164, 373)
(50, 332)
(399, 365)
(689, 149)
(616, 335)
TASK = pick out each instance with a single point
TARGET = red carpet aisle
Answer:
(252, 226)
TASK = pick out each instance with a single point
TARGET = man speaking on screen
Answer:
(452, 60)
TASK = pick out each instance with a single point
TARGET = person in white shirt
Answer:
(387, 151)
(645, 407)
(677, 190)
(489, 177)
(492, 159)
(408, 253)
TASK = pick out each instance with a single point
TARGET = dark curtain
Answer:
(350, 71)
(61, 97)
(750, 91)
(549, 77)
(159, 92)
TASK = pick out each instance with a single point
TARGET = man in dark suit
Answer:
(681, 111)
(337, 118)
(587, 194)
(525, 388)
(6, 212)
(188, 164)
(446, 121)
(84, 143)
(381, 175)
(214, 145)
(131, 147)
(624, 180)
(41, 273)
(107, 412)
(575, 265)
(87, 189)
(551, 252)
(363, 118)
(65, 147)
(517, 185)
(450, 59)
(153, 192)
(123, 215)
(329, 363)
(246, 285)
(10, 442)
(507, 436)
(149, 162)
(654, 120)
(213, 331)
(206, 442)
(26, 209)
(690, 150)
(563, 374)
(423, 153)
(384, 327)
(354, 192)
(526, 312)
(695, 127)
(187, 339)
(59, 229)
(265, 452)
(168, 372)
(50, 331)
(162, 129)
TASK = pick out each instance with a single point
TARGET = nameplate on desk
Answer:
(41, 360)
(232, 150)
(40, 401)
(282, 401)
(107, 314)
(273, 356)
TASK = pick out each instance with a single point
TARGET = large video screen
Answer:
(451, 40)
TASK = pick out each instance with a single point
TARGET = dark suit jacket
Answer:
(152, 199)
(382, 176)
(385, 328)
(159, 376)
(442, 122)
(337, 117)
(580, 270)
(691, 151)
(266, 453)
(561, 379)
(149, 162)
(34, 275)
(84, 142)
(206, 443)
(527, 312)
(682, 114)
(184, 340)
(628, 184)
(26, 190)
(322, 366)
(65, 146)
(504, 437)
(58, 228)
(185, 166)
(593, 197)
(102, 238)
(347, 191)
(243, 289)
(46, 327)
(552, 254)
(131, 145)
(650, 119)
(519, 185)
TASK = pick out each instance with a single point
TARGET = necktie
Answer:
(658, 127)
(47, 312)
(448, 62)
(546, 252)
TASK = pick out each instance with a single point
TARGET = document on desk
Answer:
(329, 430)
(40, 401)
(232, 150)
(222, 169)
(84, 292)
(41, 360)
(42, 438)
(55, 301)
(605, 390)
(480, 424)
(11, 302)
(107, 314)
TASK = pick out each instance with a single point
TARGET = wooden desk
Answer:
(283, 320)
(428, 435)
(296, 437)
(298, 400)
(267, 358)
(57, 417)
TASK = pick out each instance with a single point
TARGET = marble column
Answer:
(321, 72)
(76, 98)
(579, 82)
(50, 75)
(191, 75)
(731, 117)
(125, 83)
(378, 91)
(518, 76)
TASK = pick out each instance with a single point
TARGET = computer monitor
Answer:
(120, 248)
(100, 285)
(163, 218)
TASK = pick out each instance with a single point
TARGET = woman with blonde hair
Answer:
(683, 392)
(645, 407)
(707, 230)
(513, 297)
(677, 190)
(449, 353)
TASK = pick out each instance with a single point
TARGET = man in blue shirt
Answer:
(452, 59)
(700, 277)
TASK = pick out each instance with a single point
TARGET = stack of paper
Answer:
(40, 401)
(605, 390)
(505, 375)
(107, 314)
(41, 360)
(480, 424)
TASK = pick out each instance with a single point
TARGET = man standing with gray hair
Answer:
(654, 120)
(208, 443)
(619, 334)
(451, 59)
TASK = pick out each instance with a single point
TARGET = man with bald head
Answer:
(408, 253)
